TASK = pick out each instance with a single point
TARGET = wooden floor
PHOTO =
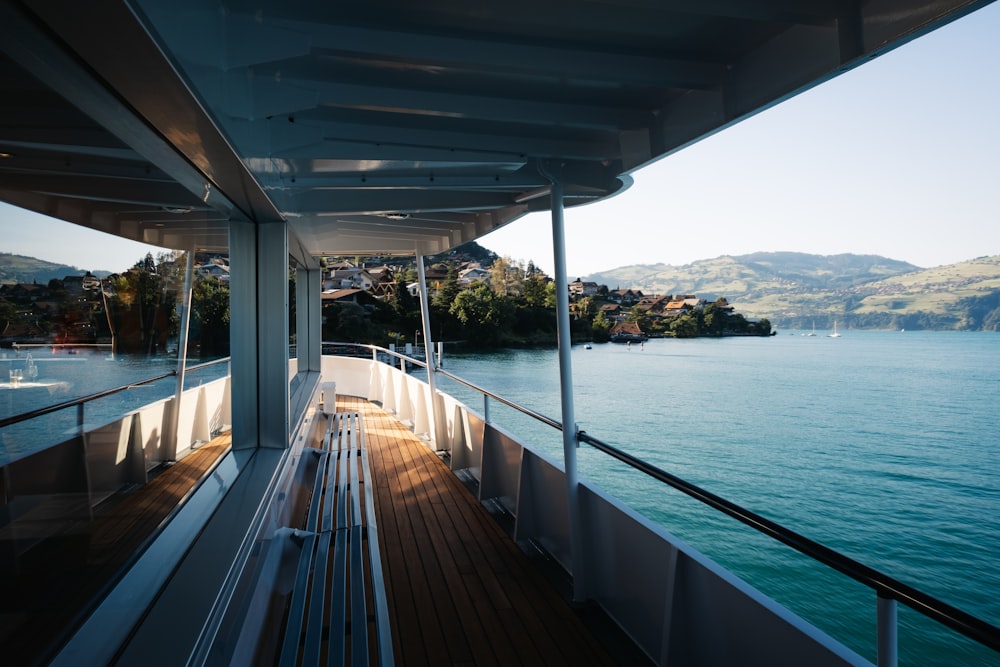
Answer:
(59, 579)
(460, 591)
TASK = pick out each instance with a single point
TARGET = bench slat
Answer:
(312, 520)
(317, 600)
(343, 490)
(359, 613)
(384, 637)
(296, 612)
(338, 600)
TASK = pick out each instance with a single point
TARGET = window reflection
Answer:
(81, 488)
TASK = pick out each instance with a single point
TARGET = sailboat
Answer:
(813, 331)
(834, 334)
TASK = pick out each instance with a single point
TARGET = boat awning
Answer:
(390, 127)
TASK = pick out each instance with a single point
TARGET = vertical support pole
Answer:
(182, 341)
(570, 441)
(258, 294)
(308, 314)
(888, 627)
(425, 319)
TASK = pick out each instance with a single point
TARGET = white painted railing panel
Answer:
(463, 436)
(500, 476)
(186, 422)
(113, 458)
(218, 406)
(148, 427)
(543, 511)
(354, 377)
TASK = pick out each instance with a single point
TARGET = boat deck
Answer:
(460, 591)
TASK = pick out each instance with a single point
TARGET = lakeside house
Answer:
(581, 288)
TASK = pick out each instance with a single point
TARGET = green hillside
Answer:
(22, 269)
(794, 290)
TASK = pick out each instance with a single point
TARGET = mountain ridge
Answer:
(793, 289)
(24, 269)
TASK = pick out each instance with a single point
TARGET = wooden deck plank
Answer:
(452, 572)
(426, 575)
(409, 594)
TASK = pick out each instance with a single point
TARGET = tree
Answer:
(601, 328)
(550, 295)
(713, 320)
(210, 316)
(506, 277)
(485, 315)
(535, 290)
(405, 307)
(142, 305)
(685, 326)
(446, 294)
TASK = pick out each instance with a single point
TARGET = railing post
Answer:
(170, 441)
(570, 439)
(486, 408)
(79, 418)
(425, 319)
(888, 653)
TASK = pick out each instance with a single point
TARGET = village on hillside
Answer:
(138, 308)
(636, 316)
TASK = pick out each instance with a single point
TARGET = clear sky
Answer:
(899, 157)
(27, 233)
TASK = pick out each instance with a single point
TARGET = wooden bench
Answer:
(339, 599)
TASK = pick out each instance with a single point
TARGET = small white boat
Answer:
(834, 334)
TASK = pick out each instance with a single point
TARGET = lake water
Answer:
(881, 445)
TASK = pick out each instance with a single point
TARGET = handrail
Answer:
(377, 348)
(485, 392)
(885, 586)
(26, 416)
(520, 408)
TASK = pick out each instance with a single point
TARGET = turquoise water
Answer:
(881, 445)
